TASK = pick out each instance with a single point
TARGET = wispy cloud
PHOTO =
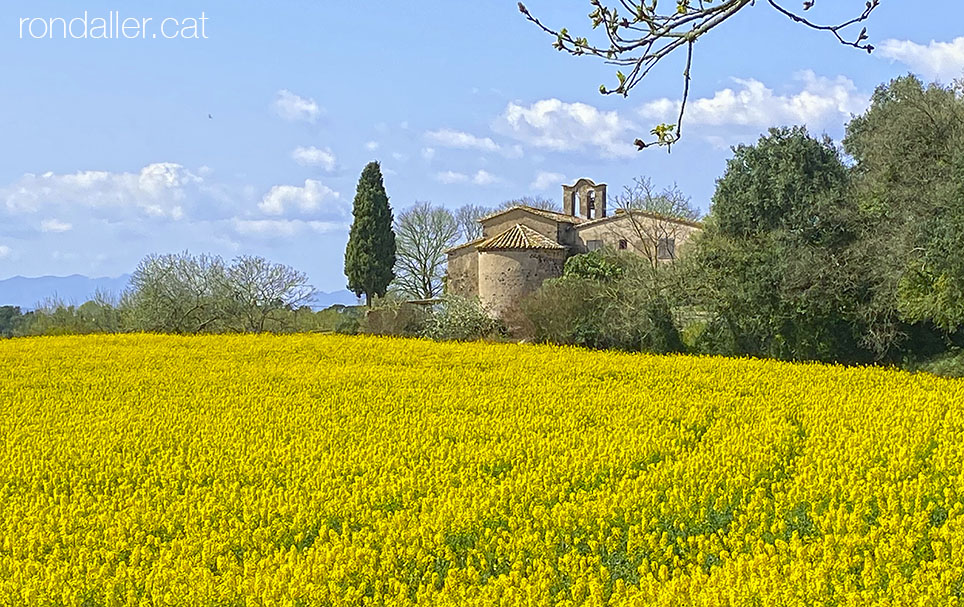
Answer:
(294, 108)
(545, 180)
(481, 178)
(457, 139)
(312, 156)
(55, 225)
(279, 228)
(936, 60)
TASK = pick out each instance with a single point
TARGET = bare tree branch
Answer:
(642, 37)
(422, 235)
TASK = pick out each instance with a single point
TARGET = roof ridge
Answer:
(650, 214)
(520, 236)
(543, 212)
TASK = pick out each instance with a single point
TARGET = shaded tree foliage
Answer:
(774, 267)
(10, 319)
(908, 150)
(607, 299)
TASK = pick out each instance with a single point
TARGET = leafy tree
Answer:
(607, 299)
(56, 317)
(459, 319)
(423, 233)
(908, 150)
(10, 318)
(640, 34)
(600, 266)
(774, 266)
(370, 255)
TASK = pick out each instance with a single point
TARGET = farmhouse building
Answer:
(522, 246)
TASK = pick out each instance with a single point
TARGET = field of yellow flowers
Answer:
(327, 470)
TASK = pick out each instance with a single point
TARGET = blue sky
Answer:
(107, 151)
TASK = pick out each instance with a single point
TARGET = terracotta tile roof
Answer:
(520, 237)
(464, 245)
(553, 215)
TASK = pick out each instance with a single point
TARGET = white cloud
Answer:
(428, 153)
(281, 198)
(278, 228)
(449, 177)
(820, 102)
(5, 251)
(55, 225)
(295, 108)
(399, 156)
(312, 156)
(464, 141)
(484, 178)
(157, 190)
(546, 180)
(449, 138)
(371, 146)
(567, 127)
(481, 177)
(937, 60)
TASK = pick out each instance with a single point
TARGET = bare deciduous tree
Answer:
(640, 34)
(467, 217)
(536, 202)
(262, 291)
(654, 217)
(422, 234)
(185, 293)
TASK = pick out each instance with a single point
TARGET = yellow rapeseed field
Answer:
(326, 470)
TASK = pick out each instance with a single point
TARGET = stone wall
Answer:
(620, 227)
(506, 277)
(463, 272)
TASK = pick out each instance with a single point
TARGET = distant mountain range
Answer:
(28, 293)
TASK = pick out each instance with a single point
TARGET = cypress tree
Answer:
(370, 255)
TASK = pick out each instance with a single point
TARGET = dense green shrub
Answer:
(391, 316)
(460, 319)
(607, 300)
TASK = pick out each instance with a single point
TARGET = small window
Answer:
(666, 248)
(623, 244)
(594, 245)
